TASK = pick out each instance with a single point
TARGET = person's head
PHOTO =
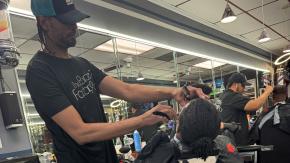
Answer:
(237, 82)
(56, 21)
(199, 124)
(279, 94)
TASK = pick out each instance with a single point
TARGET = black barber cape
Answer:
(161, 150)
(56, 83)
(267, 131)
(232, 105)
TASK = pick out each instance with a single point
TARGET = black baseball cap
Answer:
(238, 78)
(62, 10)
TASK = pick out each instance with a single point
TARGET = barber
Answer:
(235, 105)
(66, 91)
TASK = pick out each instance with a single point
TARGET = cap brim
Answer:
(72, 17)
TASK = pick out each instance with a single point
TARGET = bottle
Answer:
(137, 141)
(126, 141)
(118, 141)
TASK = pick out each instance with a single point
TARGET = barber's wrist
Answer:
(174, 93)
(140, 120)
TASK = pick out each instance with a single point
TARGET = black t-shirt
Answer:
(55, 84)
(232, 106)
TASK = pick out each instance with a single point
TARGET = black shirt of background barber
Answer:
(232, 105)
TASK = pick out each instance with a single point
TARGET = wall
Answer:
(15, 141)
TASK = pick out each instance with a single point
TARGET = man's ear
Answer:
(43, 22)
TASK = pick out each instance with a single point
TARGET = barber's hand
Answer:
(148, 118)
(269, 89)
(178, 94)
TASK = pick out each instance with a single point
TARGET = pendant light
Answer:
(264, 37)
(228, 16)
(287, 49)
(140, 75)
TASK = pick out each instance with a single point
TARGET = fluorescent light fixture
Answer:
(140, 77)
(124, 46)
(207, 64)
(228, 16)
(264, 37)
(282, 59)
(287, 49)
(103, 31)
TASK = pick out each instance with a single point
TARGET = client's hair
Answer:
(199, 125)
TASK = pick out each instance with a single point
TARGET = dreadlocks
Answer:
(41, 35)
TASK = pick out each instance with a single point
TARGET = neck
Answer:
(55, 50)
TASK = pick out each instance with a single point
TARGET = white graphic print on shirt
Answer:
(83, 85)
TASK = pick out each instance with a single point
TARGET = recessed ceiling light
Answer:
(208, 64)
(124, 46)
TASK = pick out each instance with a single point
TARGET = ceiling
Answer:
(156, 63)
(211, 11)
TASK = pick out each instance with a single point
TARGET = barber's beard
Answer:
(68, 43)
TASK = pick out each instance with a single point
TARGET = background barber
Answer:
(235, 105)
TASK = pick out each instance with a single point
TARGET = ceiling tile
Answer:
(283, 28)
(185, 58)
(253, 36)
(156, 52)
(24, 4)
(101, 57)
(91, 40)
(19, 41)
(169, 66)
(174, 2)
(272, 12)
(76, 51)
(145, 62)
(250, 4)
(209, 10)
(276, 44)
(30, 47)
(26, 30)
(242, 25)
(24, 59)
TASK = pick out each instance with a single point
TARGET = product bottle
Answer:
(126, 141)
(137, 141)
